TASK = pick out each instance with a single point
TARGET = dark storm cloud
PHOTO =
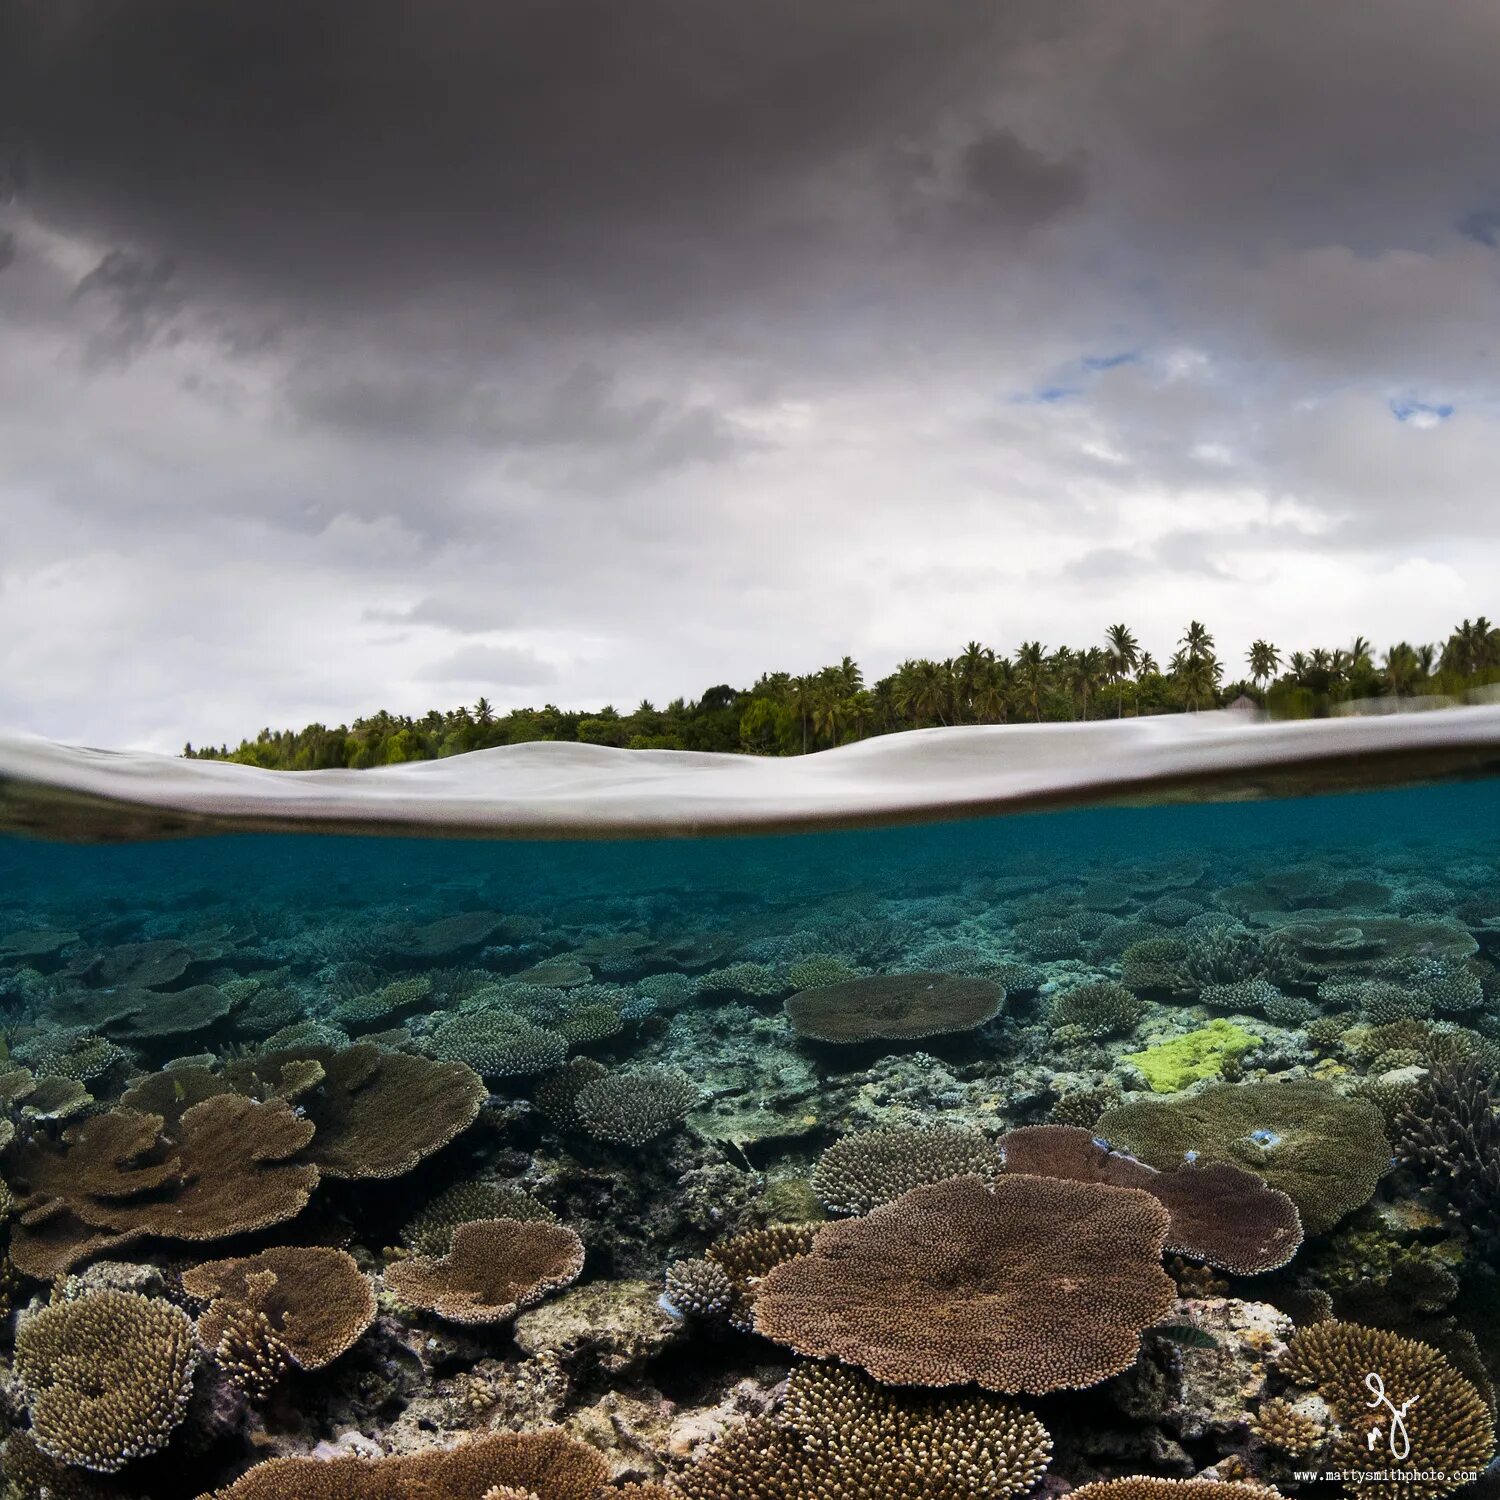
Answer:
(619, 347)
(336, 153)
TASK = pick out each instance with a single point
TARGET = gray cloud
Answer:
(683, 341)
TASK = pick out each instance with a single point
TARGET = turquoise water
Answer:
(656, 1045)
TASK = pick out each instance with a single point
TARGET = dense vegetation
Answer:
(790, 715)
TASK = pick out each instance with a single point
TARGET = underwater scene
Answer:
(973, 1159)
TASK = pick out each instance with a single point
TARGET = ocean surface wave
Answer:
(549, 790)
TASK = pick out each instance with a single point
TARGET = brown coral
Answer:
(1448, 1423)
(893, 1007)
(747, 1258)
(1147, 1487)
(377, 1114)
(1278, 1424)
(843, 1437)
(1324, 1151)
(1034, 1284)
(107, 1377)
(549, 1465)
(495, 1268)
(1221, 1214)
(315, 1300)
(116, 1177)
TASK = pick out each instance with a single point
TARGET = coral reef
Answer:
(863, 1171)
(1030, 1284)
(1447, 1423)
(1324, 1151)
(894, 1007)
(494, 1268)
(843, 1437)
(765, 1168)
(107, 1378)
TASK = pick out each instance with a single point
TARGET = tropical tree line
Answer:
(791, 714)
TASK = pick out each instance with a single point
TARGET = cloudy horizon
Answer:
(585, 353)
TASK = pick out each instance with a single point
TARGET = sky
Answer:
(391, 354)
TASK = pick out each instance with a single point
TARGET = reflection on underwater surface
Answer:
(430, 1138)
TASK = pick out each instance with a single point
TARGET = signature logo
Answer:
(1392, 1424)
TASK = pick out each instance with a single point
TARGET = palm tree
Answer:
(1402, 669)
(1360, 659)
(1198, 641)
(1031, 674)
(969, 671)
(1299, 666)
(483, 712)
(1124, 657)
(1264, 659)
(1198, 675)
(802, 698)
(1085, 671)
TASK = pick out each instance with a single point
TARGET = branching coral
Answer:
(1450, 1132)
(1170, 1066)
(894, 1007)
(857, 1173)
(1325, 1152)
(107, 1377)
(1033, 1284)
(547, 1465)
(635, 1106)
(843, 1437)
(495, 1268)
(749, 1257)
(1146, 1487)
(1447, 1422)
(698, 1288)
(1099, 1009)
(313, 1301)
(430, 1232)
(497, 1045)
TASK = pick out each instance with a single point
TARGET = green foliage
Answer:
(784, 714)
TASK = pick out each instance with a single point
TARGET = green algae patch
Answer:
(1169, 1067)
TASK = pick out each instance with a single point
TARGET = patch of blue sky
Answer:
(1421, 413)
(1096, 362)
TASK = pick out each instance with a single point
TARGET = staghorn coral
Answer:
(375, 1113)
(749, 1257)
(494, 1268)
(1033, 1284)
(549, 1465)
(1449, 1131)
(79, 1055)
(1146, 1487)
(1448, 1423)
(430, 1232)
(314, 1300)
(699, 1288)
(497, 1045)
(817, 970)
(225, 1170)
(1324, 1151)
(636, 1105)
(556, 1095)
(1099, 1009)
(378, 1008)
(1220, 1214)
(1279, 1424)
(749, 980)
(857, 1173)
(1153, 964)
(843, 1437)
(893, 1007)
(107, 1377)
